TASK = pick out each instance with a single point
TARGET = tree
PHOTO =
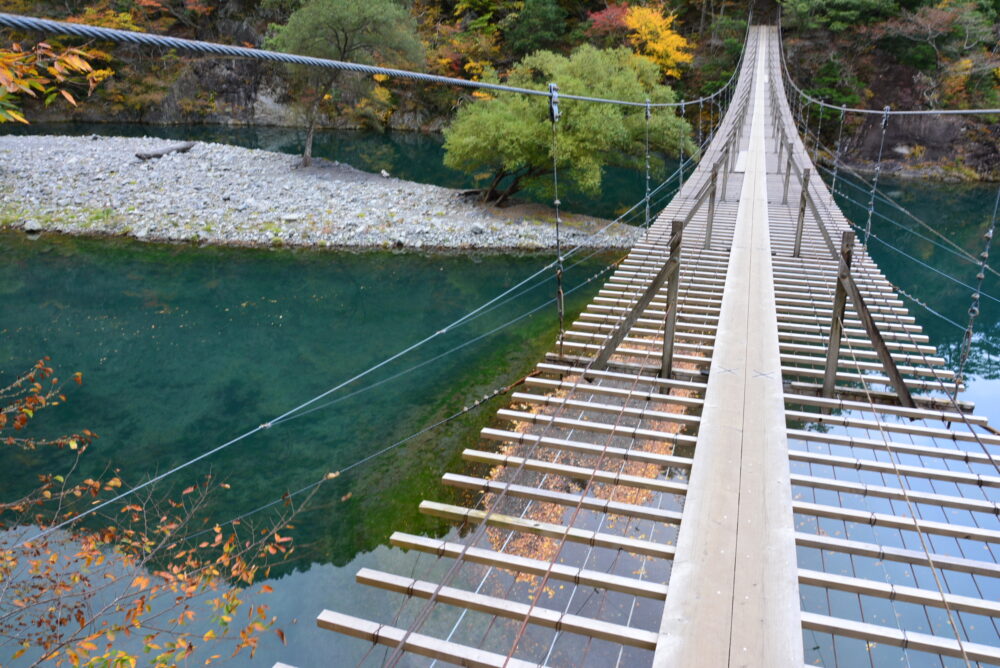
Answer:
(646, 29)
(653, 34)
(608, 26)
(360, 31)
(506, 140)
(45, 72)
(130, 580)
(538, 26)
(836, 15)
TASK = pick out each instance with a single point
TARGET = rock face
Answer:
(950, 148)
(230, 195)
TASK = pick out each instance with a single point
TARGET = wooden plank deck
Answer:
(729, 515)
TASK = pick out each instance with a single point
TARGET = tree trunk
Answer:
(307, 152)
(490, 193)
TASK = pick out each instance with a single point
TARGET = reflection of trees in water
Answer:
(962, 213)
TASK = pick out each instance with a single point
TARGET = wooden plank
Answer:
(976, 606)
(570, 370)
(598, 407)
(881, 444)
(548, 529)
(433, 648)
(576, 472)
(863, 406)
(897, 522)
(920, 642)
(621, 393)
(588, 502)
(624, 454)
(896, 494)
(903, 555)
(896, 428)
(959, 477)
(491, 605)
(518, 564)
(733, 596)
(600, 427)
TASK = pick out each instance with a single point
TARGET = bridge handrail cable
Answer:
(787, 75)
(35, 24)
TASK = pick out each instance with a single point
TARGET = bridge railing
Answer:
(846, 286)
(670, 271)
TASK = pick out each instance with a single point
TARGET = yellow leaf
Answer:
(73, 445)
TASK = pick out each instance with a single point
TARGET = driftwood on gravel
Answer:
(179, 148)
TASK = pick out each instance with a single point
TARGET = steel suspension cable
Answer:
(934, 568)
(837, 154)
(878, 169)
(974, 306)
(883, 197)
(554, 118)
(227, 51)
(466, 409)
(477, 534)
(647, 116)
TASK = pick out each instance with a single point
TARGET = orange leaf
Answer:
(66, 94)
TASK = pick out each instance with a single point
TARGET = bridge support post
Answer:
(788, 174)
(725, 174)
(837, 322)
(711, 207)
(673, 274)
(781, 146)
(803, 200)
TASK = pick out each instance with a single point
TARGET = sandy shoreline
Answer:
(228, 195)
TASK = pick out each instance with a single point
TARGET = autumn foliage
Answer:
(647, 29)
(652, 33)
(131, 580)
(45, 72)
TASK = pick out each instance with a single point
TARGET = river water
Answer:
(183, 348)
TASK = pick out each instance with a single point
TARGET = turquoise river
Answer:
(183, 348)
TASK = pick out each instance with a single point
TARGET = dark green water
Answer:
(412, 156)
(183, 348)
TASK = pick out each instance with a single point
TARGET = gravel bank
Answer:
(222, 194)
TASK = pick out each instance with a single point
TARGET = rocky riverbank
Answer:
(221, 194)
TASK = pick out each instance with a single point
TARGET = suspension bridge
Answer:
(744, 426)
(742, 445)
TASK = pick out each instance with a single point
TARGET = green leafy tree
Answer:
(540, 25)
(361, 31)
(506, 140)
(836, 15)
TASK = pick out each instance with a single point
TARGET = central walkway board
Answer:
(754, 503)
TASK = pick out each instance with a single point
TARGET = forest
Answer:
(908, 54)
